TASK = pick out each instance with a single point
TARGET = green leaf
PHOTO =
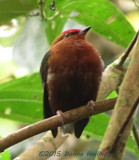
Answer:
(11, 9)
(112, 95)
(106, 19)
(5, 155)
(97, 127)
(132, 146)
(6, 68)
(14, 9)
(21, 99)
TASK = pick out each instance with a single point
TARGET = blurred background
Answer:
(23, 43)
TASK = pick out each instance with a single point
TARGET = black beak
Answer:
(85, 30)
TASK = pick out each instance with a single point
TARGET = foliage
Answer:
(105, 18)
(5, 155)
(21, 98)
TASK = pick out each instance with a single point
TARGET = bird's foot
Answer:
(61, 116)
(91, 104)
(65, 129)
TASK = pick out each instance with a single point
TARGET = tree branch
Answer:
(112, 78)
(41, 5)
(124, 125)
(114, 73)
(128, 94)
(128, 50)
(41, 149)
(136, 3)
(53, 122)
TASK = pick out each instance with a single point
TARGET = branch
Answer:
(136, 3)
(42, 13)
(53, 122)
(124, 125)
(41, 149)
(128, 50)
(114, 73)
(41, 5)
(128, 95)
(112, 78)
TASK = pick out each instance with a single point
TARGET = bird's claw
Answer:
(61, 116)
(91, 104)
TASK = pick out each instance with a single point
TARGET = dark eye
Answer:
(66, 35)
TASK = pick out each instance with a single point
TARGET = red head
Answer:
(71, 30)
(71, 33)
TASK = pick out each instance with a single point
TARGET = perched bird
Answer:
(71, 73)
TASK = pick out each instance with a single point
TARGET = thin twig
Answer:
(136, 135)
(41, 4)
(52, 17)
(53, 122)
(7, 78)
(52, 7)
(124, 125)
(57, 13)
(131, 45)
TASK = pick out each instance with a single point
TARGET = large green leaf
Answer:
(106, 20)
(103, 15)
(21, 99)
(14, 9)
(11, 9)
(97, 127)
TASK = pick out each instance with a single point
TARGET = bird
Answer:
(71, 73)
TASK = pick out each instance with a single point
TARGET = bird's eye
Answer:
(66, 35)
